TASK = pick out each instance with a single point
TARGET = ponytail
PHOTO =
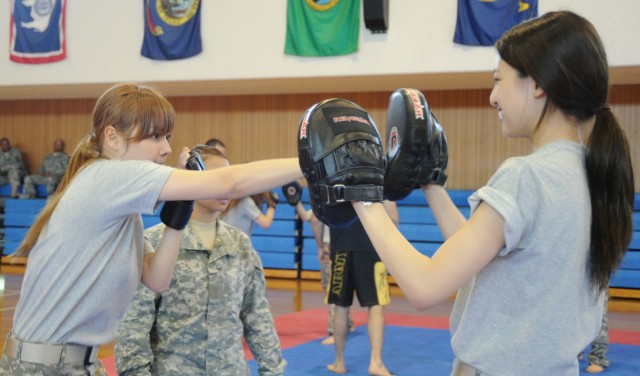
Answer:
(131, 109)
(611, 187)
(87, 151)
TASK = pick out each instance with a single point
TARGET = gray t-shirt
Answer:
(87, 263)
(243, 215)
(531, 310)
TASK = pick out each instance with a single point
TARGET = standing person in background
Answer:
(51, 171)
(324, 256)
(292, 193)
(356, 267)
(532, 263)
(597, 357)
(244, 212)
(86, 249)
(218, 144)
(12, 168)
(217, 297)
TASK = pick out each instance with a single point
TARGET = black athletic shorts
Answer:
(362, 272)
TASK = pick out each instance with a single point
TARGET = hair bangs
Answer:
(154, 114)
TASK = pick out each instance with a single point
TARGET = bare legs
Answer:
(375, 327)
(340, 337)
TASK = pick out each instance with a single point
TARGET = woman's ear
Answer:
(112, 139)
(538, 92)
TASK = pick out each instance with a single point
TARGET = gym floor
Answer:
(289, 295)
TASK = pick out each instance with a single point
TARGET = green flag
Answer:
(322, 27)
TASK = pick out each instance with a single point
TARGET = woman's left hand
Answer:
(184, 156)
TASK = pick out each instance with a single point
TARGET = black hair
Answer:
(562, 52)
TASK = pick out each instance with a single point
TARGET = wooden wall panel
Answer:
(265, 126)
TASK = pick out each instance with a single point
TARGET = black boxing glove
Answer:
(292, 192)
(176, 214)
(272, 199)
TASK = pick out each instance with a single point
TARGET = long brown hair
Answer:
(136, 111)
(562, 52)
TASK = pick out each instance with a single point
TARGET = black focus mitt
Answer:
(340, 154)
(416, 147)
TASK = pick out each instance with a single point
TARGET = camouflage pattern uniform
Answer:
(16, 368)
(51, 172)
(600, 345)
(196, 326)
(12, 168)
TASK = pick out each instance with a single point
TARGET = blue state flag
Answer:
(172, 29)
(482, 22)
(37, 31)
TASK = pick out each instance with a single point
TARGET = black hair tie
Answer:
(598, 110)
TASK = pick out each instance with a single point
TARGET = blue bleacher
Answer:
(289, 243)
(18, 217)
(279, 245)
(417, 223)
(5, 190)
(21, 213)
(310, 255)
(276, 252)
(628, 274)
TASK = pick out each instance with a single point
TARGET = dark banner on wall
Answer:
(37, 31)
(171, 29)
(322, 27)
(482, 22)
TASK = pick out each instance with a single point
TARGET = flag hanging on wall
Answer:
(171, 29)
(482, 22)
(37, 29)
(322, 27)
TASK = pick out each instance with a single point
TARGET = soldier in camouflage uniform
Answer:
(51, 172)
(12, 168)
(598, 360)
(216, 297)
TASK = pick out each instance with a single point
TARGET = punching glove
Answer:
(272, 199)
(340, 154)
(176, 214)
(292, 192)
(416, 147)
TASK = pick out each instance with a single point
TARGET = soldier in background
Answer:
(51, 171)
(12, 168)
(218, 144)
(217, 297)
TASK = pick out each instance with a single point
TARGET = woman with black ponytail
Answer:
(533, 262)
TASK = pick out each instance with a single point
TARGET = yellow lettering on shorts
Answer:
(337, 272)
(382, 283)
